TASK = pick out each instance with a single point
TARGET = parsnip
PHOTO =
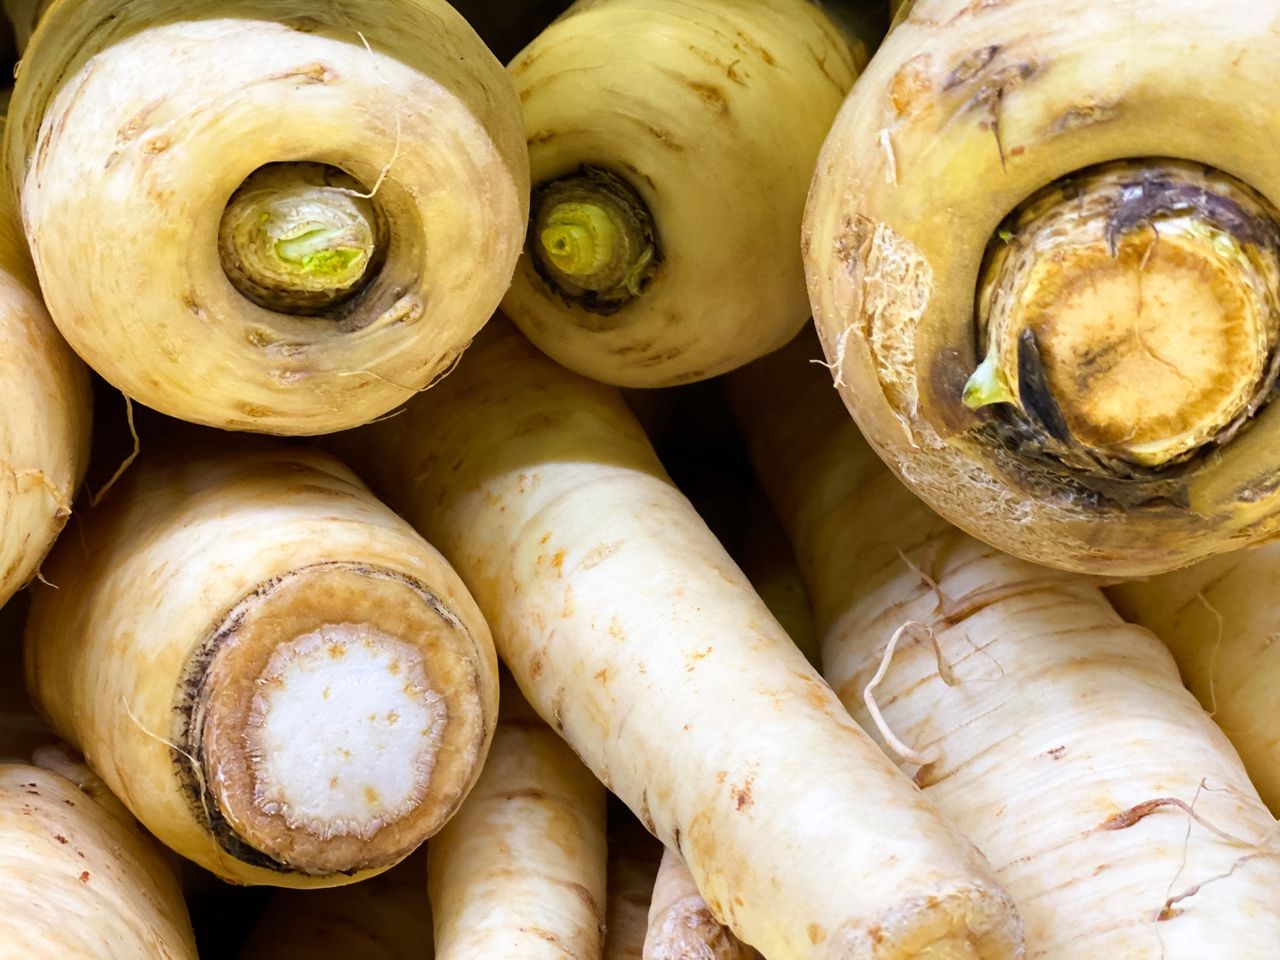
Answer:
(632, 872)
(281, 680)
(1105, 408)
(77, 876)
(770, 564)
(519, 873)
(383, 918)
(1220, 621)
(630, 630)
(44, 416)
(680, 926)
(670, 144)
(284, 217)
(1056, 736)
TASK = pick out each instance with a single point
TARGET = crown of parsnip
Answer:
(670, 145)
(284, 217)
(970, 202)
(281, 680)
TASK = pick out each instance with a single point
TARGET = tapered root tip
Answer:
(340, 722)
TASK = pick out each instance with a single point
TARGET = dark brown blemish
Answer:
(711, 95)
(60, 838)
(1057, 753)
(84, 876)
(947, 375)
(665, 138)
(742, 795)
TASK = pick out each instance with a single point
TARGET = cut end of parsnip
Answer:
(1131, 313)
(336, 720)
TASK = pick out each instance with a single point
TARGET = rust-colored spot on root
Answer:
(1057, 753)
(84, 876)
(816, 933)
(665, 138)
(911, 84)
(711, 95)
(60, 838)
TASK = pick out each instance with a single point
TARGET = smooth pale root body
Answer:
(707, 115)
(1220, 621)
(519, 873)
(44, 416)
(1128, 313)
(280, 678)
(383, 918)
(770, 564)
(631, 631)
(680, 926)
(1055, 735)
(124, 177)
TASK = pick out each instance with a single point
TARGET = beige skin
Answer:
(631, 879)
(770, 565)
(281, 680)
(1219, 620)
(383, 918)
(1156, 321)
(44, 429)
(712, 111)
(519, 873)
(680, 925)
(625, 623)
(78, 877)
(400, 95)
(1055, 735)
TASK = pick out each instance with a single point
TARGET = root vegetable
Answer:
(520, 871)
(770, 564)
(44, 427)
(77, 876)
(1105, 407)
(631, 878)
(309, 209)
(383, 918)
(1055, 735)
(631, 631)
(670, 145)
(1220, 621)
(281, 680)
(680, 925)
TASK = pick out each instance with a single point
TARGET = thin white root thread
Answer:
(891, 161)
(195, 767)
(128, 461)
(395, 151)
(868, 696)
(1213, 654)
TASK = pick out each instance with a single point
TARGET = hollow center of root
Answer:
(592, 239)
(1132, 313)
(343, 731)
(299, 238)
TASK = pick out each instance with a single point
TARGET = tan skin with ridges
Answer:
(1043, 253)
(1056, 736)
(295, 218)
(632, 633)
(1220, 621)
(519, 873)
(279, 678)
(681, 926)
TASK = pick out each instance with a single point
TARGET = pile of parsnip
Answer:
(745, 480)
